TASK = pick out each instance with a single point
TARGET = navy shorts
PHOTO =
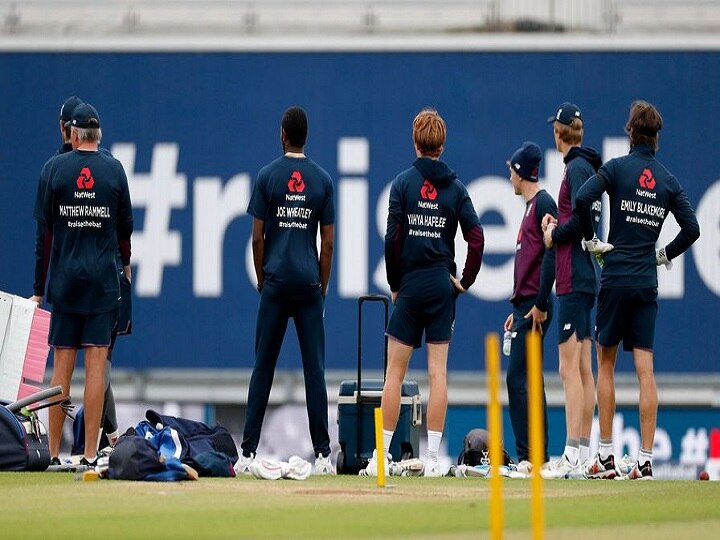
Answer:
(628, 315)
(425, 304)
(75, 330)
(575, 316)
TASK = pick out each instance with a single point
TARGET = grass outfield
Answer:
(55, 505)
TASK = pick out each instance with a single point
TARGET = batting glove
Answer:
(661, 259)
(596, 245)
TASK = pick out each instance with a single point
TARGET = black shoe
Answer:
(54, 462)
(84, 462)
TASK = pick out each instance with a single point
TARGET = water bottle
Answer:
(507, 342)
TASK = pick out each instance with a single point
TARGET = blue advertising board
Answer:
(193, 130)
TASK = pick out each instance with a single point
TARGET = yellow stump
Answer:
(537, 443)
(379, 446)
(494, 423)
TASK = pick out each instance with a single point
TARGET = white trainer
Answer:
(242, 467)
(323, 466)
(372, 466)
(432, 469)
(559, 468)
(601, 468)
(525, 467)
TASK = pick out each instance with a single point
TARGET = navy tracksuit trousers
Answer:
(275, 309)
(516, 379)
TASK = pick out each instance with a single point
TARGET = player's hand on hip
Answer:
(456, 283)
(37, 299)
(661, 259)
(394, 296)
(538, 318)
(508, 323)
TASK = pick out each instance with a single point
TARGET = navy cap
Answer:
(525, 161)
(85, 116)
(68, 107)
(565, 114)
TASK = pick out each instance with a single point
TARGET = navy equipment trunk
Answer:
(357, 401)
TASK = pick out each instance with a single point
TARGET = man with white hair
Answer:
(88, 219)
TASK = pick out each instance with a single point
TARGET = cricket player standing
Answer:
(576, 287)
(532, 304)
(642, 193)
(291, 199)
(427, 204)
(88, 219)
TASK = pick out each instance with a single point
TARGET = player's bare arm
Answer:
(327, 241)
(258, 249)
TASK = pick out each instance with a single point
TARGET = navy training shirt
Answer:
(427, 203)
(42, 240)
(534, 264)
(292, 196)
(642, 192)
(574, 266)
(88, 212)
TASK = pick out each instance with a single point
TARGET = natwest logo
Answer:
(296, 184)
(428, 191)
(647, 180)
(85, 180)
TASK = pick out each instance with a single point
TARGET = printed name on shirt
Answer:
(84, 211)
(642, 208)
(422, 220)
(293, 212)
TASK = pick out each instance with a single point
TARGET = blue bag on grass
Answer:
(137, 458)
(23, 442)
(197, 437)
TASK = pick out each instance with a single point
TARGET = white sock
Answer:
(584, 449)
(605, 449)
(387, 439)
(434, 438)
(644, 456)
(571, 452)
